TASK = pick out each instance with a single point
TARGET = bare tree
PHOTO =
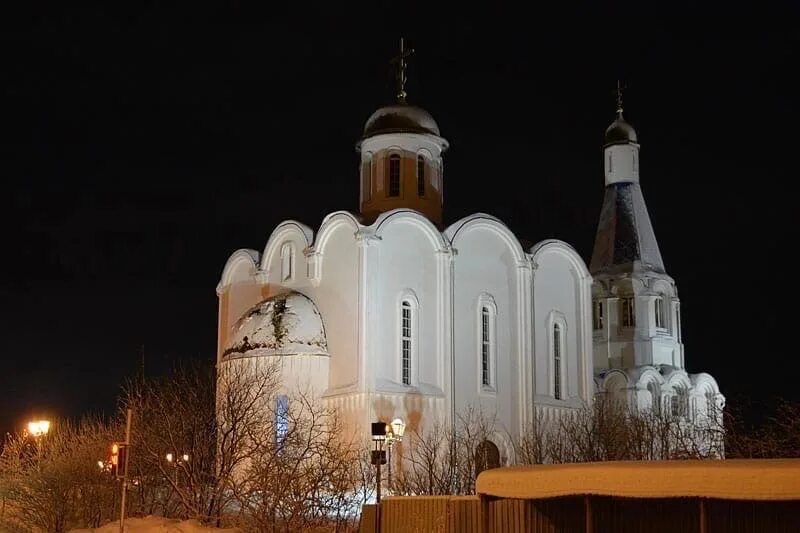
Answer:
(258, 458)
(53, 482)
(438, 460)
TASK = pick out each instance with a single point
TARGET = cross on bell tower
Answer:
(400, 61)
(620, 87)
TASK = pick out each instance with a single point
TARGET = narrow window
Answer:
(281, 419)
(711, 405)
(405, 342)
(557, 361)
(610, 167)
(420, 175)
(678, 322)
(394, 175)
(655, 400)
(366, 178)
(287, 261)
(680, 402)
(597, 315)
(659, 309)
(485, 348)
(628, 315)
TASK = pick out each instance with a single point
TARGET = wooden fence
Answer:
(734, 496)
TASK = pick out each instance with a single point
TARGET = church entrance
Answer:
(487, 456)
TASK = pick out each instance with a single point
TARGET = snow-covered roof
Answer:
(731, 479)
(285, 324)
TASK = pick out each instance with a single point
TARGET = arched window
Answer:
(557, 361)
(486, 348)
(597, 315)
(406, 331)
(287, 261)
(655, 397)
(394, 175)
(487, 456)
(680, 402)
(677, 329)
(421, 175)
(281, 419)
(628, 312)
(366, 178)
(659, 310)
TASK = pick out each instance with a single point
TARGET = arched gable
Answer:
(280, 233)
(648, 375)
(414, 219)
(678, 379)
(661, 286)
(615, 380)
(563, 249)
(704, 383)
(488, 222)
(242, 259)
(332, 223)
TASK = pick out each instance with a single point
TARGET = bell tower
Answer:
(636, 311)
(401, 156)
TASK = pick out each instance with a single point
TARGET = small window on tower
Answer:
(394, 175)
(366, 178)
(597, 315)
(628, 313)
(421, 175)
(659, 310)
(610, 166)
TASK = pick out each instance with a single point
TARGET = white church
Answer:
(387, 313)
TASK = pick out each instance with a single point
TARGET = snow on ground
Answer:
(156, 524)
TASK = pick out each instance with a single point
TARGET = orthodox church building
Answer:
(388, 312)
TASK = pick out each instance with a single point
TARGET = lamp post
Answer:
(176, 460)
(378, 457)
(394, 433)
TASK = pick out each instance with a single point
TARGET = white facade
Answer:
(393, 316)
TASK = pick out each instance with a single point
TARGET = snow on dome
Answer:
(400, 118)
(285, 324)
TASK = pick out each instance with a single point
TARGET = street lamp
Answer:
(176, 460)
(394, 433)
(38, 429)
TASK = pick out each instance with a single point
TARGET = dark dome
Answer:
(620, 132)
(400, 118)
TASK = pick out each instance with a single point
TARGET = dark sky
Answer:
(140, 149)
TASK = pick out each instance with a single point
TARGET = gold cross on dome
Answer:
(400, 60)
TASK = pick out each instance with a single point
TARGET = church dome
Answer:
(284, 324)
(400, 118)
(620, 132)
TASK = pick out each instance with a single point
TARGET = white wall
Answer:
(561, 293)
(486, 269)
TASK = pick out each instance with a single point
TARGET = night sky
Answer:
(140, 149)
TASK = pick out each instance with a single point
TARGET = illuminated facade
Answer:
(385, 313)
